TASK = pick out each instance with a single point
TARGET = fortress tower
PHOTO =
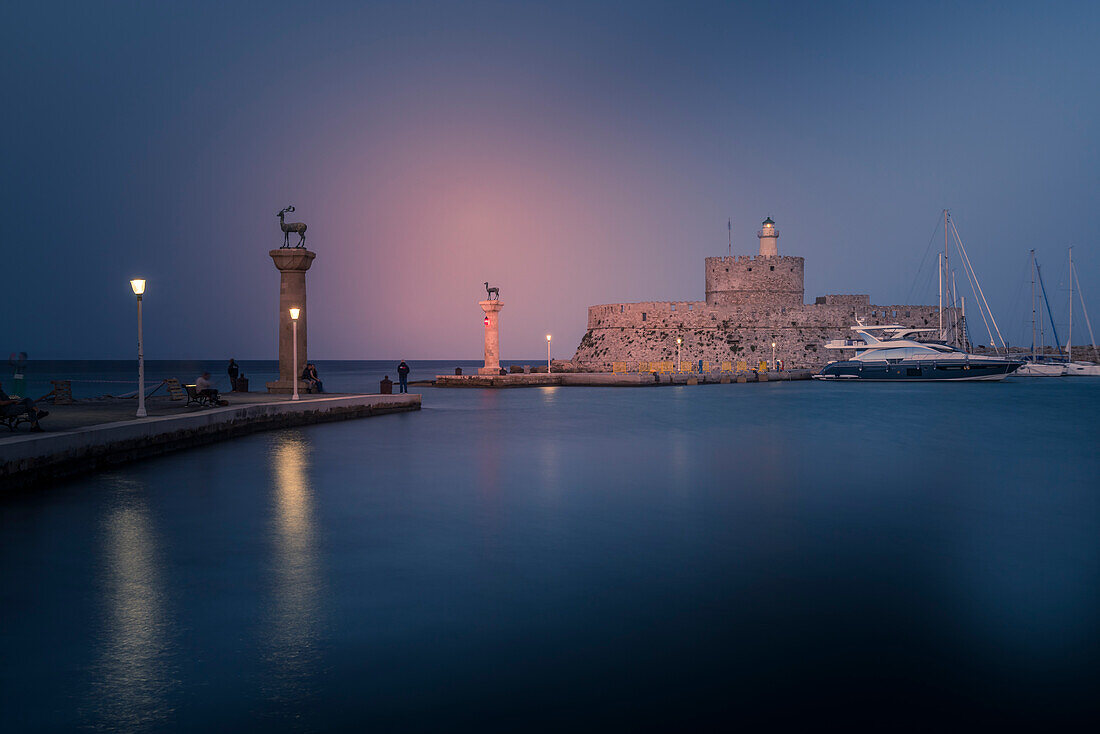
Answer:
(764, 280)
(769, 239)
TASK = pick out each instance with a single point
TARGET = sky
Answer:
(571, 154)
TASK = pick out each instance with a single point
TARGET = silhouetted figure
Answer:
(403, 376)
(234, 372)
(309, 374)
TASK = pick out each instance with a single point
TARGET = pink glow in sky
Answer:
(571, 155)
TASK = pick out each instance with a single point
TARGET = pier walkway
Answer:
(615, 379)
(90, 435)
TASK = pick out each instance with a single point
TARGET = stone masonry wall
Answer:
(762, 281)
(646, 332)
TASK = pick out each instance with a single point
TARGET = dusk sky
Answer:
(572, 154)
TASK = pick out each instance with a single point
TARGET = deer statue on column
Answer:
(287, 228)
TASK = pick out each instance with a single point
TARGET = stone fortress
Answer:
(751, 303)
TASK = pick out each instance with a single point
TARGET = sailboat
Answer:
(1037, 365)
(1079, 369)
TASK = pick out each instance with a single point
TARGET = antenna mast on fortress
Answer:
(729, 227)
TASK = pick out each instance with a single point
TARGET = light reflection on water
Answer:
(294, 621)
(133, 678)
(641, 554)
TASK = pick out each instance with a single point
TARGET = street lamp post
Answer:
(138, 286)
(773, 355)
(294, 377)
(547, 354)
(679, 341)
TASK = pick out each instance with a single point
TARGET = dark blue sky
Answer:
(573, 154)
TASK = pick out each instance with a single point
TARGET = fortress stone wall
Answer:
(741, 280)
(751, 302)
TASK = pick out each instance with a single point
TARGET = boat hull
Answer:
(1082, 369)
(939, 371)
(1033, 369)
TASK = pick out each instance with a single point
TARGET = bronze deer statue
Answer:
(298, 227)
(493, 293)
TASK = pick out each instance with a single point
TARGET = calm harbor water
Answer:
(567, 557)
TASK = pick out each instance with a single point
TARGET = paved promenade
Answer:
(90, 435)
(614, 379)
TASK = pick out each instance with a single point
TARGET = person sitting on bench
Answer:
(309, 375)
(206, 388)
(11, 407)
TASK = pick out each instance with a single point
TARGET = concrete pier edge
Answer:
(613, 379)
(35, 458)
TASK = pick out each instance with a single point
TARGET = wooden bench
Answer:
(13, 415)
(194, 396)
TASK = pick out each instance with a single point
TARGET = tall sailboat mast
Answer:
(946, 270)
(1069, 339)
(1033, 305)
(939, 264)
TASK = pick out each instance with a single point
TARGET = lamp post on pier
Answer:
(679, 341)
(773, 355)
(547, 354)
(138, 286)
(294, 377)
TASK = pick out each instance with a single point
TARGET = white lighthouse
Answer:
(769, 239)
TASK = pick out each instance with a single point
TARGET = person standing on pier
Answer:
(233, 371)
(403, 376)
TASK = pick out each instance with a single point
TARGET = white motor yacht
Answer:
(891, 352)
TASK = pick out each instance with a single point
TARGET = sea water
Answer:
(577, 558)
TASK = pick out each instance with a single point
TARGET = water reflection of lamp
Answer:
(292, 626)
(133, 679)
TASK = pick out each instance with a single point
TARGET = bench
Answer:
(194, 396)
(13, 415)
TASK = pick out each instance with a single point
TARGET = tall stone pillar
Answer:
(292, 263)
(492, 337)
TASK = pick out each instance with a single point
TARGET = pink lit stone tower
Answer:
(492, 337)
(292, 263)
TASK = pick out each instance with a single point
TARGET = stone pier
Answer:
(492, 337)
(292, 263)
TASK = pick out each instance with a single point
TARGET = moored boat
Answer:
(890, 352)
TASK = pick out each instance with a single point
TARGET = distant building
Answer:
(751, 303)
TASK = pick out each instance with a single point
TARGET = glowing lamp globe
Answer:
(138, 284)
(294, 313)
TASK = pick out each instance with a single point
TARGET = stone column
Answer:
(292, 263)
(492, 338)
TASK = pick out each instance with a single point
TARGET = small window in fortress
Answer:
(906, 314)
(673, 306)
(691, 307)
(874, 313)
(750, 270)
(773, 267)
(643, 315)
(727, 270)
(622, 308)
